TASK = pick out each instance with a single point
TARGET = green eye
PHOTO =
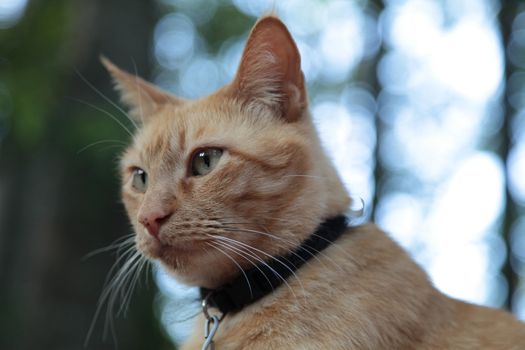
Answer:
(204, 161)
(140, 180)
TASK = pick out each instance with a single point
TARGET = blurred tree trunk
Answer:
(379, 171)
(508, 12)
(47, 190)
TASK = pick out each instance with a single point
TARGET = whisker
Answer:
(235, 262)
(345, 253)
(107, 99)
(138, 87)
(118, 243)
(308, 249)
(234, 241)
(148, 271)
(113, 292)
(130, 287)
(243, 254)
(129, 255)
(100, 142)
(123, 274)
(105, 112)
(105, 148)
(145, 267)
(273, 270)
(293, 243)
(307, 176)
(335, 246)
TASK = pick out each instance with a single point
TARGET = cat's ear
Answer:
(142, 98)
(269, 75)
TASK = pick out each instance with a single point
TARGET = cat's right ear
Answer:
(142, 98)
(269, 75)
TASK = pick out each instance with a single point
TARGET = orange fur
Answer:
(363, 292)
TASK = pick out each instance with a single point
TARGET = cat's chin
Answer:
(199, 273)
(170, 254)
(190, 262)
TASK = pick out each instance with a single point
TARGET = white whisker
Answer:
(235, 262)
(307, 176)
(129, 288)
(107, 99)
(244, 255)
(268, 266)
(233, 241)
(118, 142)
(295, 245)
(117, 244)
(345, 253)
(114, 291)
(140, 94)
(106, 113)
(112, 284)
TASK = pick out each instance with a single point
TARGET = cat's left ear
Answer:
(269, 75)
(142, 98)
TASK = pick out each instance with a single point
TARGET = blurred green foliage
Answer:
(32, 69)
(57, 204)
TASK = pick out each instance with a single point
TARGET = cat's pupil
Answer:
(140, 178)
(206, 159)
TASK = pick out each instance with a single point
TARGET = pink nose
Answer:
(152, 221)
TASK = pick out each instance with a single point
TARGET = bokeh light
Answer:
(439, 83)
(10, 12)
(516, 168)
(423, 126)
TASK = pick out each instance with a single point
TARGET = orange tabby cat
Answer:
(228, 181)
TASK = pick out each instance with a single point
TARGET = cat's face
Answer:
(217, 184)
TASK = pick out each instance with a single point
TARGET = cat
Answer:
(219, 186)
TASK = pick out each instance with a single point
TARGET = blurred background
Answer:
(421, 104)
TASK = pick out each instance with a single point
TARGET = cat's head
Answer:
(204, 181)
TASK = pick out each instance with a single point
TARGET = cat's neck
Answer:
(262, 279)
(317, 295)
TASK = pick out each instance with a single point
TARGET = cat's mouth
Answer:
(166, 247)
(176, 254)
(185, 246)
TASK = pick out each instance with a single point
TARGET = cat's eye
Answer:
(140, 180)
(205, 160)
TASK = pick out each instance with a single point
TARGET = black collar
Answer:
(264, 278)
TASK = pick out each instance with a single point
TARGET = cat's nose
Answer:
(153, 220)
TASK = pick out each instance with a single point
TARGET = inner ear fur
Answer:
(269, 75)
(140, 97)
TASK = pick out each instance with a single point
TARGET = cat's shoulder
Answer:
(370, 236)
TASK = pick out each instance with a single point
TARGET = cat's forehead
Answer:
(175, 131)
(162, 136)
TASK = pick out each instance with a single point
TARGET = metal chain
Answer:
(210, 326)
